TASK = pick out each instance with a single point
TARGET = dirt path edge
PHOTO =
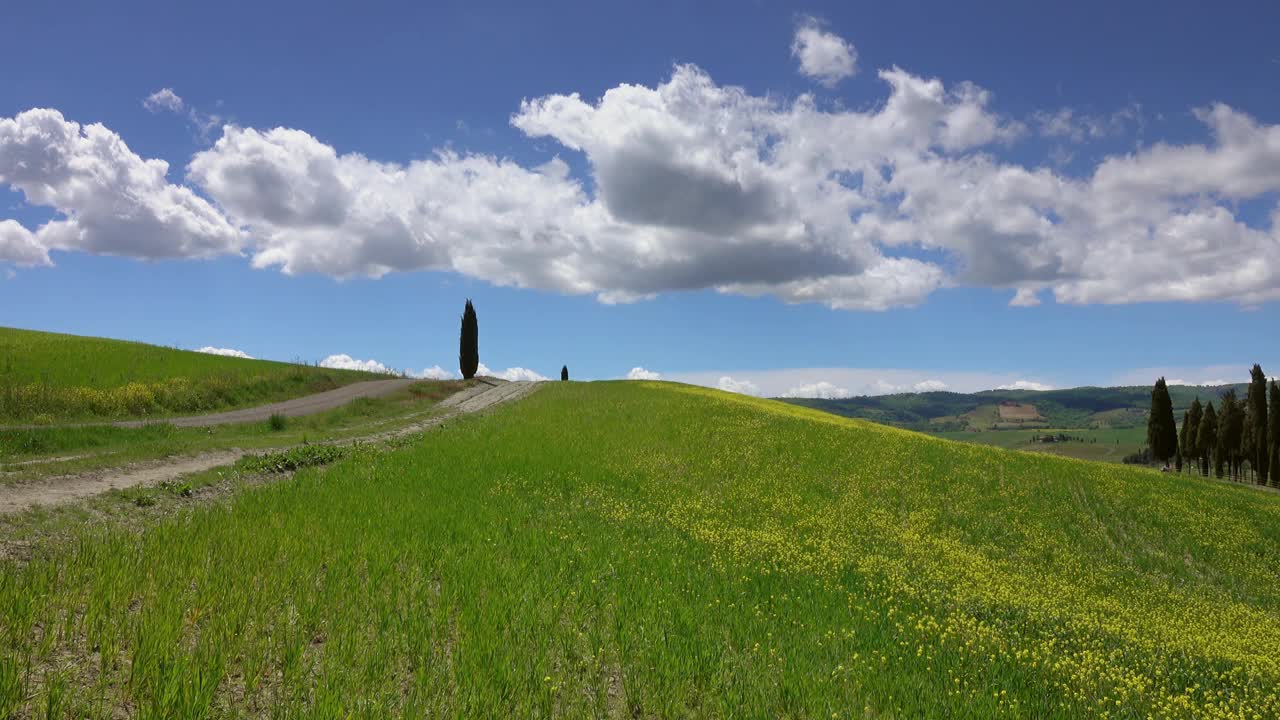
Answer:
(68, 488)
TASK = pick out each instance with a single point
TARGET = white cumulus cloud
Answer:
(744, 387)
(821, 389)
(228, 352)
(929, 386)
(1024, 385)
(639, 373)
(690, 184)
(163, 99)
(516, 374)
(1025, 297)
(435, 372)
(111, 201)
(346, 362)
(512, 374)
(1203, 383)
(823, 56)
(19, 246)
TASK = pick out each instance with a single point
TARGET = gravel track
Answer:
(59, 490)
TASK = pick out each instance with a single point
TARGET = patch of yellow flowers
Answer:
(1130, 593)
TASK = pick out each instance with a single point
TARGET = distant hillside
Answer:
(1085, 407)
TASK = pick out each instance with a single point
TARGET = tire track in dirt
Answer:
(64, 489)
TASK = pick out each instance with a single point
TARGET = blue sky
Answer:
(816, 198)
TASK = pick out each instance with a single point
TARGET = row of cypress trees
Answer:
(1237, 439)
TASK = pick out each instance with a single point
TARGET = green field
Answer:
(655, 550)
(30, 453)
(49, 377)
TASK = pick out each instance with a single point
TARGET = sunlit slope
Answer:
(654, 550)
(55, 376)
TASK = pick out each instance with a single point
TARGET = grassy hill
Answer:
(55, 377)
(655, 550)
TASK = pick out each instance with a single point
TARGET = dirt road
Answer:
(297, 407)
(58, 490)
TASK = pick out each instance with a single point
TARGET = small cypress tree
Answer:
(1207, 439)
(1162, 429)
(1273, 435)
(1259, 450)
(564, 373)
(469, 343)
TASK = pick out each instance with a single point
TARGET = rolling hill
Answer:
(54, 377)
(637, 549)
(1084, 407)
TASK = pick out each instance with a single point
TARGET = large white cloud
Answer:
(823, 56)
(111, 201)
(696, 185)
(226, 352)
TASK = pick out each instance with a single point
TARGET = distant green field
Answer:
(55, 377)
(1110, 421)
(1103, 444)
(653, 550)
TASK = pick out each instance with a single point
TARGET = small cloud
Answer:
(512, 374)
(519, 374)
(639, 373)
(824, 56)
(821, 390)
(1025, 297)
(346, 362)
(744, 387)
(1025, 385)
(883, 387)
(435, 372)
(1205, 383)
(930, 386)
(9, 274)
(226, 352)
(164, 99)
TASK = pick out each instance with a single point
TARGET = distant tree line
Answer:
(1239, 439)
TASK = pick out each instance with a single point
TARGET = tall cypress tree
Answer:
(1182, 438)
(1230, 433)
(1190, 449)
(1259, 450)
(1273, 435)
(1182, 441)
(1162, 430)
(1207, 439)
(469, 343)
